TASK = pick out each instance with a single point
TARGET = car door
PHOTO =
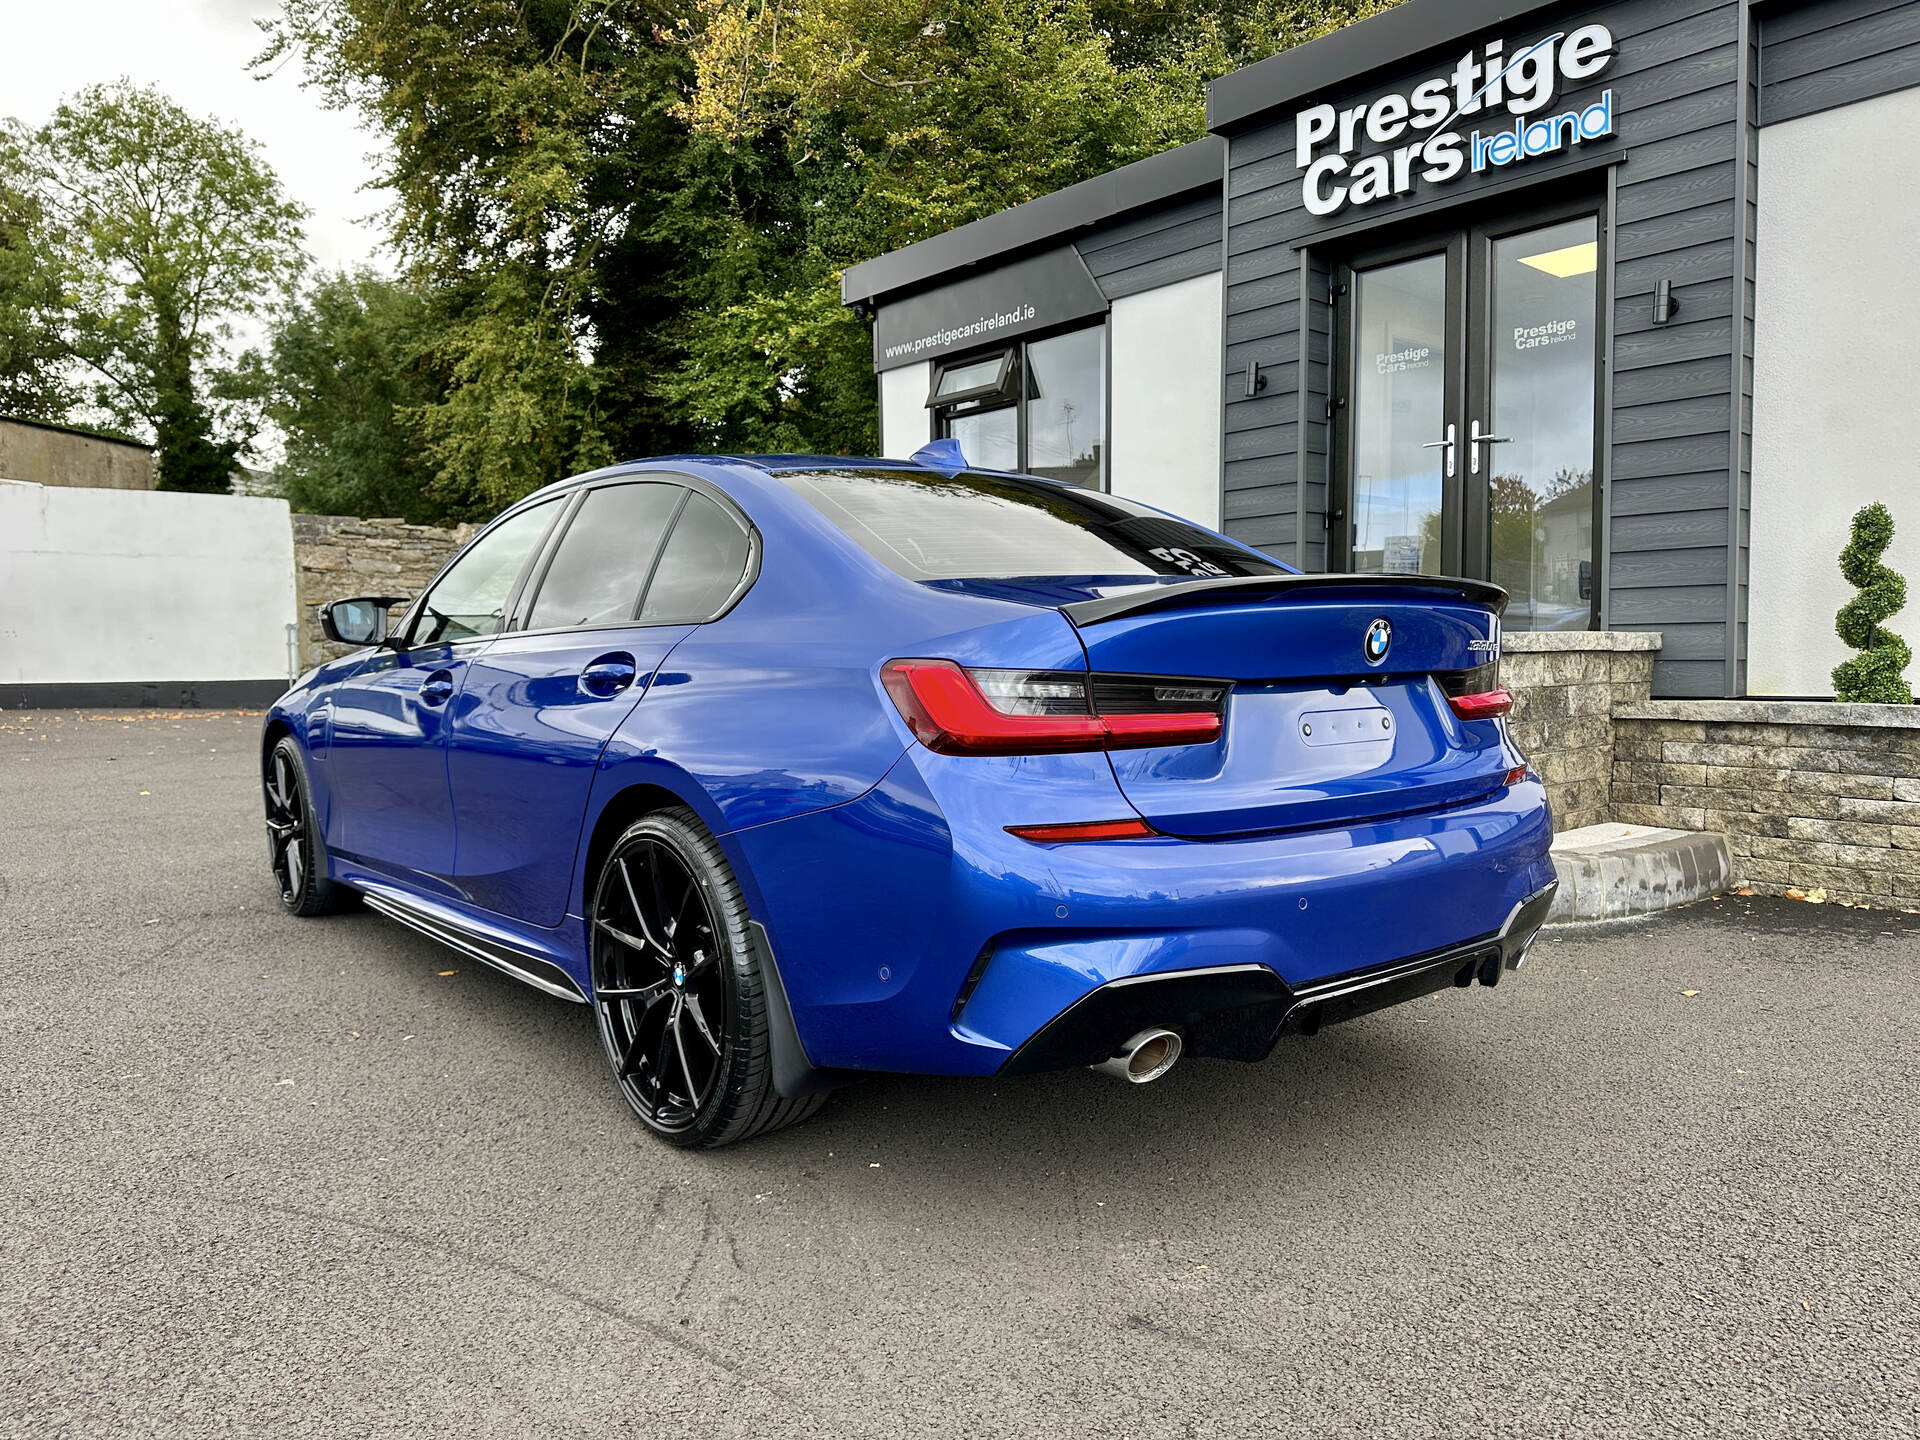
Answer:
(387, 767)
(539, 706)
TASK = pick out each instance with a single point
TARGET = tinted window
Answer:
(703, 562)
(978, 527)
(603, 559)
(471, 598)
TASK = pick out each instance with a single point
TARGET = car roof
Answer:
(766, 464)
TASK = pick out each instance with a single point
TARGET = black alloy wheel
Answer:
(294, 846)
(677, 988)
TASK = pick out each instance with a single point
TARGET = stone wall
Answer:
(1810, 796)
(55, 455)
(338, 556)
(1566, 687)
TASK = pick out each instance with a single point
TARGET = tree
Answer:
(632, 216)
(163, 229)
(1875, 676)
(349, 376)
(34, 383)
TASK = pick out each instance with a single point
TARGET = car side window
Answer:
(700, 567)
(601, 563)
(470, 600)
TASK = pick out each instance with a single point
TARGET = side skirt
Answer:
(542, 975)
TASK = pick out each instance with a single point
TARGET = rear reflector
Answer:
(1025, 712)
(1487, 705)
(1084, 830)
(1515, 775)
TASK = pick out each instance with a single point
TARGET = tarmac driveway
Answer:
(271, 1177)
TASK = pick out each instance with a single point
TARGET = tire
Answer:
(295, 849)
(683, 1020)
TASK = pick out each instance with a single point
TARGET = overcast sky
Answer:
(197, 52)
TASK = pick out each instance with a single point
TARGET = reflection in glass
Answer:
(1542, 366)
(957, 379)
(1399, 346)
(989, 439)
(1066, 412)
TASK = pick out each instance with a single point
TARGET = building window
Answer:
(1036, 406)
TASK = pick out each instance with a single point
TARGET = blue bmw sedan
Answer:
(797, 767)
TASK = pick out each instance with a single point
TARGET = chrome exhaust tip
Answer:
(1146, 1057)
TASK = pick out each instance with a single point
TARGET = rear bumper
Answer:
(915, 934)
(1238, 1012)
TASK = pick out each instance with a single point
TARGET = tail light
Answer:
(1485, 705)
(1080, 830)
(1477, 694)
(959, 711)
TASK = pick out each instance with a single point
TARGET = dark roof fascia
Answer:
(1390, 40)
(1152, 181)
(110, 436)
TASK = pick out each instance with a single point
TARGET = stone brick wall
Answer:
(338, 556)
(1809, 795)
(1566, 687)
(56, 455)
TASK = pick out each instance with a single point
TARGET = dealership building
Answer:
(1614, 305)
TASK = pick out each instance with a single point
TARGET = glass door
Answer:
(1532, 402)
(1469, 438)
(1403, 441)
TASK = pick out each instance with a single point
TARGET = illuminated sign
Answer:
(1326, 139)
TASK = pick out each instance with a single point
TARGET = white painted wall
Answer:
(129, 585)
(1836, 384)
(1165, 431)
(905, 422)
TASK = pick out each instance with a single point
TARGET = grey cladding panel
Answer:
(1675, 410)
(1159, 248)
(1817, 56)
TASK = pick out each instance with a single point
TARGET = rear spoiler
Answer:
(1202, 592)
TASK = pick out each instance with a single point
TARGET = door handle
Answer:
(1445, 447)
(1475, 439)
(608, 675)
(436, 688)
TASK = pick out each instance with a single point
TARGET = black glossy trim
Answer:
(794, 1074)
(143, 695)
(1170, 597)
(1238, 1012)
(533, 970)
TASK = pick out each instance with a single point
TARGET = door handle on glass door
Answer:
(1445, 447)
(1475, 440)
(608, 675)
(436, 688)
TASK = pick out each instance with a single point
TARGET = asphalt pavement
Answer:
(266, 1176)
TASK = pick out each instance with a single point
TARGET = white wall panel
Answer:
(131, 585)
(1836, 392)
(1166, 398)
(905, 422)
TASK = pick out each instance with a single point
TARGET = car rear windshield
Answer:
(982, 527)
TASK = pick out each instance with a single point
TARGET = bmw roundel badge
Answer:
(1379, 640)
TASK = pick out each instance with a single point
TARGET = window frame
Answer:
(409, 622)
(1000, 388)
(1010, 391)
(523, 601)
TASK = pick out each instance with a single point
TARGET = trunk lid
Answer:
(1319, 730)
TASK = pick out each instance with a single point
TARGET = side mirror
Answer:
(360, 621)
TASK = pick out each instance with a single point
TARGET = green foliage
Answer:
(350, 374)
(33, 376)
(631, 218)
(1875, 676)
(159, 230)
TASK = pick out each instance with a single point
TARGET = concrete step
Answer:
(1608, 872)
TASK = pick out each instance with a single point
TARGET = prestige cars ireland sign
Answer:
(1424, 143)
